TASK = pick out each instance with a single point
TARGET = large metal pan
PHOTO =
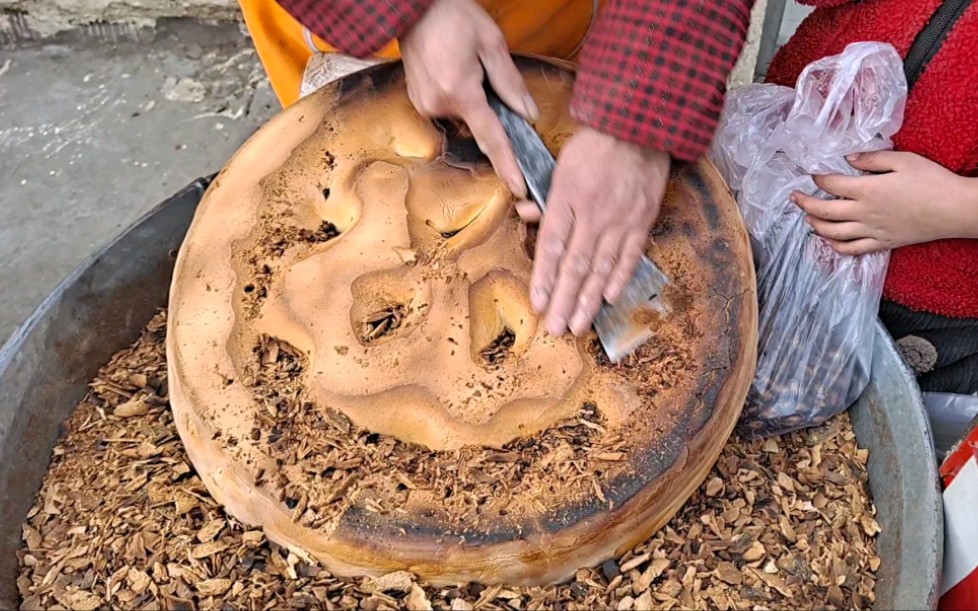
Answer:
(102, 305)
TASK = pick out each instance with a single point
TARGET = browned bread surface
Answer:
(354, 365)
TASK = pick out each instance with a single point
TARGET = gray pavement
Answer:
(94, 133)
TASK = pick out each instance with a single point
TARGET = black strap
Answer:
(947, 348)
(930, 39)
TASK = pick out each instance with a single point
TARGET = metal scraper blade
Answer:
(627, 324)
(621, 327)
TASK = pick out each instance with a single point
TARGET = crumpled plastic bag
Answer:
(325, 68)
(817, 308)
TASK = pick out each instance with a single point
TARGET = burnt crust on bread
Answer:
(284, 451)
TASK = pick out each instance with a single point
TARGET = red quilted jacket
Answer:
(941, 123)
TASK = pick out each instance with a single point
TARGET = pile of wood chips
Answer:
(122, 520)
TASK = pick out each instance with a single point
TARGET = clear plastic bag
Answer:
(324, 68)
(817, 308)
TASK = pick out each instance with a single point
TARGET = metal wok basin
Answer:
(102, 306)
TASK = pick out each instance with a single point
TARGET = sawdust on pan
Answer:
(123, 521)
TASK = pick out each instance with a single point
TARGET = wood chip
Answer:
(185, 503)
(870, 526)
(729, 574)
(460, 604)
(131, 408)
(755, 552)
(836, 597)
(400, 581)
(634, 563)
(138, 580)
(82, 601)
(417, 600)
(205, 550)
(213, 587)
(653, 572)
(31, 537)
(774, 581)
(714, 487)
(210, 530)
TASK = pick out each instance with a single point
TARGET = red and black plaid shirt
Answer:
(653, 72)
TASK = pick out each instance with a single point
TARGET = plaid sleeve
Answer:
(825, 3)
(357, 27)
(654, 72)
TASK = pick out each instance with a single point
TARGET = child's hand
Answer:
(909, 200)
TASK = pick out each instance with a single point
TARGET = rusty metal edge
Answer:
(47, 363)
(103, 304)
(890, 421)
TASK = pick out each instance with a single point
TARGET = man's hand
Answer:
(908, 200)
(446, 55)
(605, 196)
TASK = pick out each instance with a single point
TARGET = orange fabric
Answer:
(554, 28)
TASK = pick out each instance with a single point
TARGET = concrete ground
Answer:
(93, 133)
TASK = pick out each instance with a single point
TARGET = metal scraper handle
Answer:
(532, 155)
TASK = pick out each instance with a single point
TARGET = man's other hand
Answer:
(447, 54)
(605, 197)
